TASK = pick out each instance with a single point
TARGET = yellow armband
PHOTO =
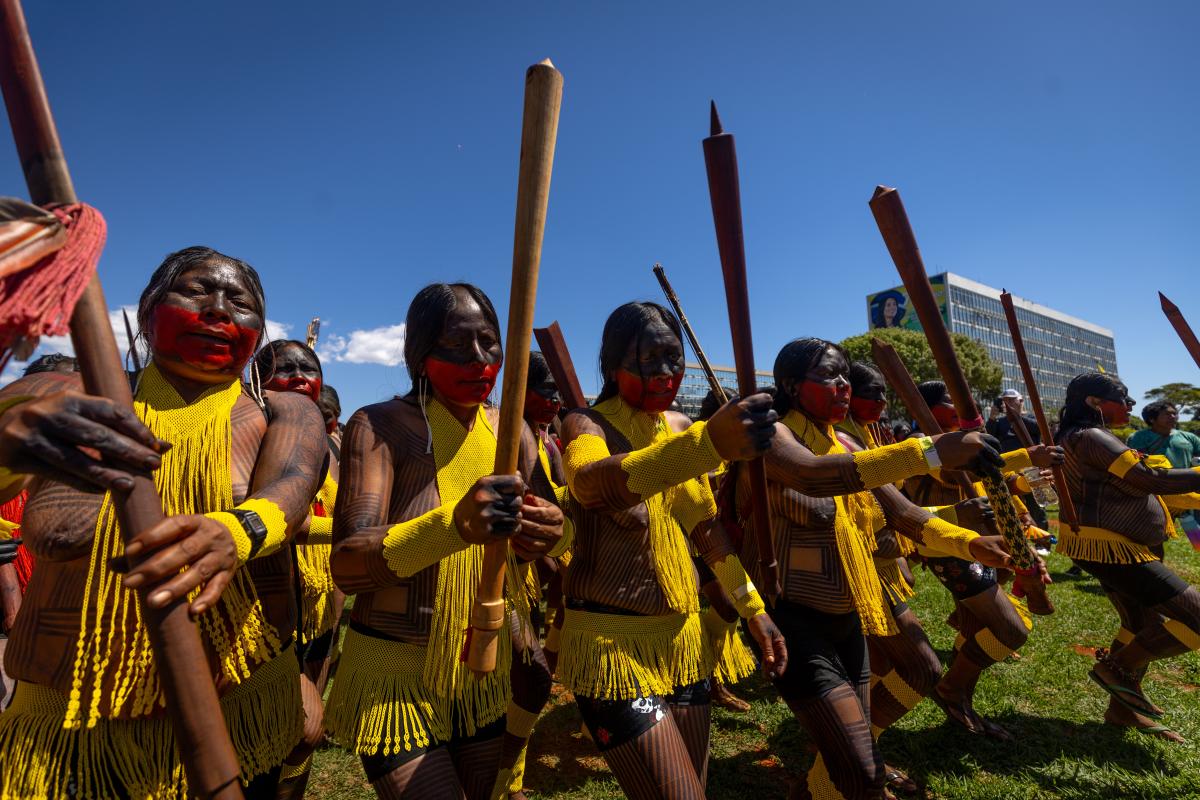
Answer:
(258, 527)
(671, 461)
(945, 537)
(1124, 462)
(737, 584)
(413, 545)
(7, 476)
(947, 513)
(895, 462)
(320, 530)
(1016, 460)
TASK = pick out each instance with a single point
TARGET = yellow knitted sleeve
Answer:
(320, 530)
(948, 513)
(671, 461)
(584, 449)
(1016, 460)
(945, 537)
(737, 584)
(272, 518)
(413, 545)
(693, 503)
(893, 462)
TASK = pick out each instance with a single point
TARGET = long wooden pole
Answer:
(1181, 327)
(1066, 506)
(539, 133)
(200, 735)
(133, 353)
(554, 347)
(720, 161)
(673, 299)
(897, 233)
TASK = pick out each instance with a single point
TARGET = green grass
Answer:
(1062, 748)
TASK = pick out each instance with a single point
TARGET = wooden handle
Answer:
(1066, 506)
(897, 233)
(200, 736)
(554, 347)
(720, 161)
(673, 299)
(1181, 327)
(539, 133)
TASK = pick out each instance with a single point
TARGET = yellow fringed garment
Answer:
(858, 517)
(316, 576)
(621, 657)
(390, 696)
(732, 660)
(115, 685)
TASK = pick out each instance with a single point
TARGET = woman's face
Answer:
(824, 392)
(889, 311)
(463, 365)
(652, 369)
(1114, 408)
(296, 371)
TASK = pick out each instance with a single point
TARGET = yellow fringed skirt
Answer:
(137, 757)
(617, 657)
(1101, 545)
(732, 660)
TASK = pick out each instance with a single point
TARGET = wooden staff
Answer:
(673, 299)
(539, 132)
(1181, 327)
(554, 347)
(897, 233)
(313, 333)
(191, 698)
(720, 160)
(133, 353)
(1066, 506)
(1018, 427)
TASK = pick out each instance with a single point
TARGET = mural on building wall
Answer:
(890, 308)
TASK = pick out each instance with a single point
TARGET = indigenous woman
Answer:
(1123, 504)
(824, 520)
(291, 366)
(633, 651)
(416, 505)
(904, 666)
(235, 473)
(992, 624)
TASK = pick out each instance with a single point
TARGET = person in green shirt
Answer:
(1181, 448)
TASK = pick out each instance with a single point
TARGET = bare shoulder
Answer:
(292, 408)
(582, 421)
(848, 441)
(677, 421)
(395, 422)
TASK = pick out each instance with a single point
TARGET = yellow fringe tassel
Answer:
(42, 758)
(114, 673)
(732, 660)
(380, 701)
(1102, 546)
(617, 657)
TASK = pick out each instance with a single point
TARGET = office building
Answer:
(695, 385)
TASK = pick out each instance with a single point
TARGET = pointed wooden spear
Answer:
(539, 133)
(201, 738)
(720, 160)
(1066, 505)
(132, 352)
(1181, 327)
(673, 299)
(554, 348)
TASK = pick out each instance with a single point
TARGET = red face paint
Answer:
(209, 344)
(1115, 413)
(867, 410)
(825, 401)
(462, 384)
(539, 409)
(297, 384)
(946, 416)
(653, 395)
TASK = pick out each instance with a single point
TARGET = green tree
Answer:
(983, 374)
(1183, 396)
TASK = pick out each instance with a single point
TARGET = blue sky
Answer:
(354, 156)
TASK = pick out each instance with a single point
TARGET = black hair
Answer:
(264, 359)
(179, 262)
(1076, 414)
(426, 317)
(795, 359)
(932, 392)
(877, 303)
(862, 373)
(329, 402)
(623, 327)
(710, 405)
(49, 363)
(901, 431)
(1151, 411)
(539, 369)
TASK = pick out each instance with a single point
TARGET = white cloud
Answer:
(278, 330)
(382, 345)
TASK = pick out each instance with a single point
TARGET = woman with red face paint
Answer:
(633, 651)
(416, 505)
(827, 505)
(87, 718)
(992, 623)
(1124, 500)
(291, 366)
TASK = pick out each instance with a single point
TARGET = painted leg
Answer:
(848, 763)
(656, 765)
(427, 777)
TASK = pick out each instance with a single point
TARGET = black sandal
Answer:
(1123, 688)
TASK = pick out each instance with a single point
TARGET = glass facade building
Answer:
(695, 385)
(1059, 346)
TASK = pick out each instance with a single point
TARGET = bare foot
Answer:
(958, 709)
(719, 695)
